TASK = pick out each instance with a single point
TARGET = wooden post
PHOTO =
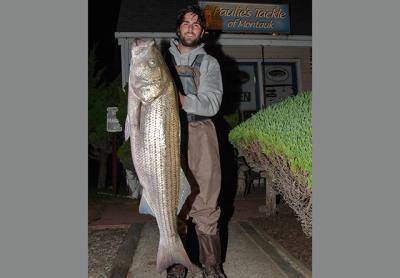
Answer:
(270, 202)
(114, 163)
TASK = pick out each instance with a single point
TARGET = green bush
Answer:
(232, 119)
(282, 129)
(125, 155)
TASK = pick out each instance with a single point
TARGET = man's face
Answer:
(190, 30)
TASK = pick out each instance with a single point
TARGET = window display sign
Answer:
(246, 17)
(280, 81)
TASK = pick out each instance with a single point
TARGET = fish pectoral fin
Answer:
(144, 207)
(133, 117)
(184, 190)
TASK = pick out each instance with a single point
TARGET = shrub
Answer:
(283, 129)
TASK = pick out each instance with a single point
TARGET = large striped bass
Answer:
(154, 130)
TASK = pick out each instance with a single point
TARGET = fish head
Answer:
(149, 74)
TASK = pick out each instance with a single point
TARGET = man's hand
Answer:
(181, 99)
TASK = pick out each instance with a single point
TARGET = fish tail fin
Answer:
(172, 254)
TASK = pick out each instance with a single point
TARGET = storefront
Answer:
(264, 47)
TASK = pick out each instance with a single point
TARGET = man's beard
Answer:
(189, 43)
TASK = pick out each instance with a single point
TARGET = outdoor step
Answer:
(250, 254)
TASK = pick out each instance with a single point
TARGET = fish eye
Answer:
(152, 63)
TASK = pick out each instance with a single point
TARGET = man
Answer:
(200, 84)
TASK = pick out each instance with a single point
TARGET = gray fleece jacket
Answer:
(209, 95)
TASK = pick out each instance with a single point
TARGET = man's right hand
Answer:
(181, 99)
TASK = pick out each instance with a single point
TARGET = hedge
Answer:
(279, 139)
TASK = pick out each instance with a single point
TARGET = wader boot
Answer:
(213, 271)
(210, 255)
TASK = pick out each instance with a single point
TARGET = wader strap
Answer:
(197, 61)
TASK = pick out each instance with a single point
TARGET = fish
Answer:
(153, 127)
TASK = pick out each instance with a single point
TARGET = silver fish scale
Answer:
(159, 158)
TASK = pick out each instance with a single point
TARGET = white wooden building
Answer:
(268, 67)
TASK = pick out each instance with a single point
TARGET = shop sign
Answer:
(246, 17)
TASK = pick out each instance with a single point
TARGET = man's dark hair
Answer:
(191, 9)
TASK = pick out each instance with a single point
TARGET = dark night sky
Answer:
(103, 16)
